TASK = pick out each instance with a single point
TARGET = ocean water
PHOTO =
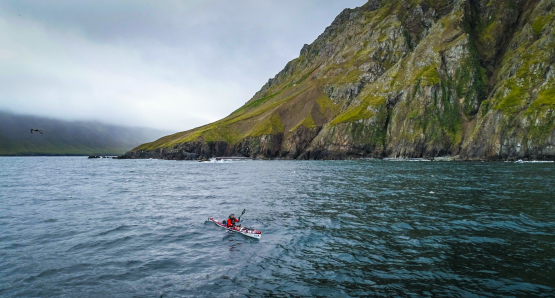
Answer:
(73, 227)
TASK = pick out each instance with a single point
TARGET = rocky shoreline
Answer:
(271, 147)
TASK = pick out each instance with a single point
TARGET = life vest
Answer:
(231, 221)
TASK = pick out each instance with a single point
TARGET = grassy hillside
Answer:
(67, 138)
(418, 78)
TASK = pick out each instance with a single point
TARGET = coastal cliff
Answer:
(469, 79)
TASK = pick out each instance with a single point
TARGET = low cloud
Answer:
(171, 65)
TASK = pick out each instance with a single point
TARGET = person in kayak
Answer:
(232, 220)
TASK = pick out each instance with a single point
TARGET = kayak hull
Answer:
(245, 231)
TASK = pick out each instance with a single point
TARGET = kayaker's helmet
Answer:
(232, 215)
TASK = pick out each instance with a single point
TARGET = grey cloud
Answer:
(171, 64)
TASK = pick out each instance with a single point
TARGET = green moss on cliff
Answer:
(352, 76)
(517, 89)
(305, 75)
(360, 111)
(258, 102)
(512, 101)
(326, 104)
(353, 114)
(539, 24)
(445, 122)
(428, 75)
(263, 108)
(269, 126)
(545, 100)
(471, 80)
(530, 58)
(308, 122)
(542, 129)
(485, 107)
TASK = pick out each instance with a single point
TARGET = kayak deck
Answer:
(245, 231)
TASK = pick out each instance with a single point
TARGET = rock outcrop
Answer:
(471, 79)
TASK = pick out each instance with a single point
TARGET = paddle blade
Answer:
(242, 214)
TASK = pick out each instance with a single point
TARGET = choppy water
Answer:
(72, 227)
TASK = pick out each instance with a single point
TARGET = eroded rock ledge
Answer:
(273, 147)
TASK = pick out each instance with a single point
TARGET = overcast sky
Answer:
(172, 65)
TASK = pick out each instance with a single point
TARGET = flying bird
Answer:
(37, 130)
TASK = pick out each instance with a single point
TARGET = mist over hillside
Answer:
(68, 137)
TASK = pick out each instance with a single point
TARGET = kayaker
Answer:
(232, 220)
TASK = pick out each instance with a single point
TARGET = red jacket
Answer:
(230, 222)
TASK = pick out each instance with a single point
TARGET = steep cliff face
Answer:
(421, 78)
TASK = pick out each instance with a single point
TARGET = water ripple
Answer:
(72, 227)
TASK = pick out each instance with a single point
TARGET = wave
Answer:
(120, 228)
(534, 161)
(406, 159)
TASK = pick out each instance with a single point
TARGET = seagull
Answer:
(37, 130)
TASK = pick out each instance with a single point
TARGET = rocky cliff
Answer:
(473, 79)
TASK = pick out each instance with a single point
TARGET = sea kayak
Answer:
(245, 231)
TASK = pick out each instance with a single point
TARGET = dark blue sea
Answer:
(74, 227)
